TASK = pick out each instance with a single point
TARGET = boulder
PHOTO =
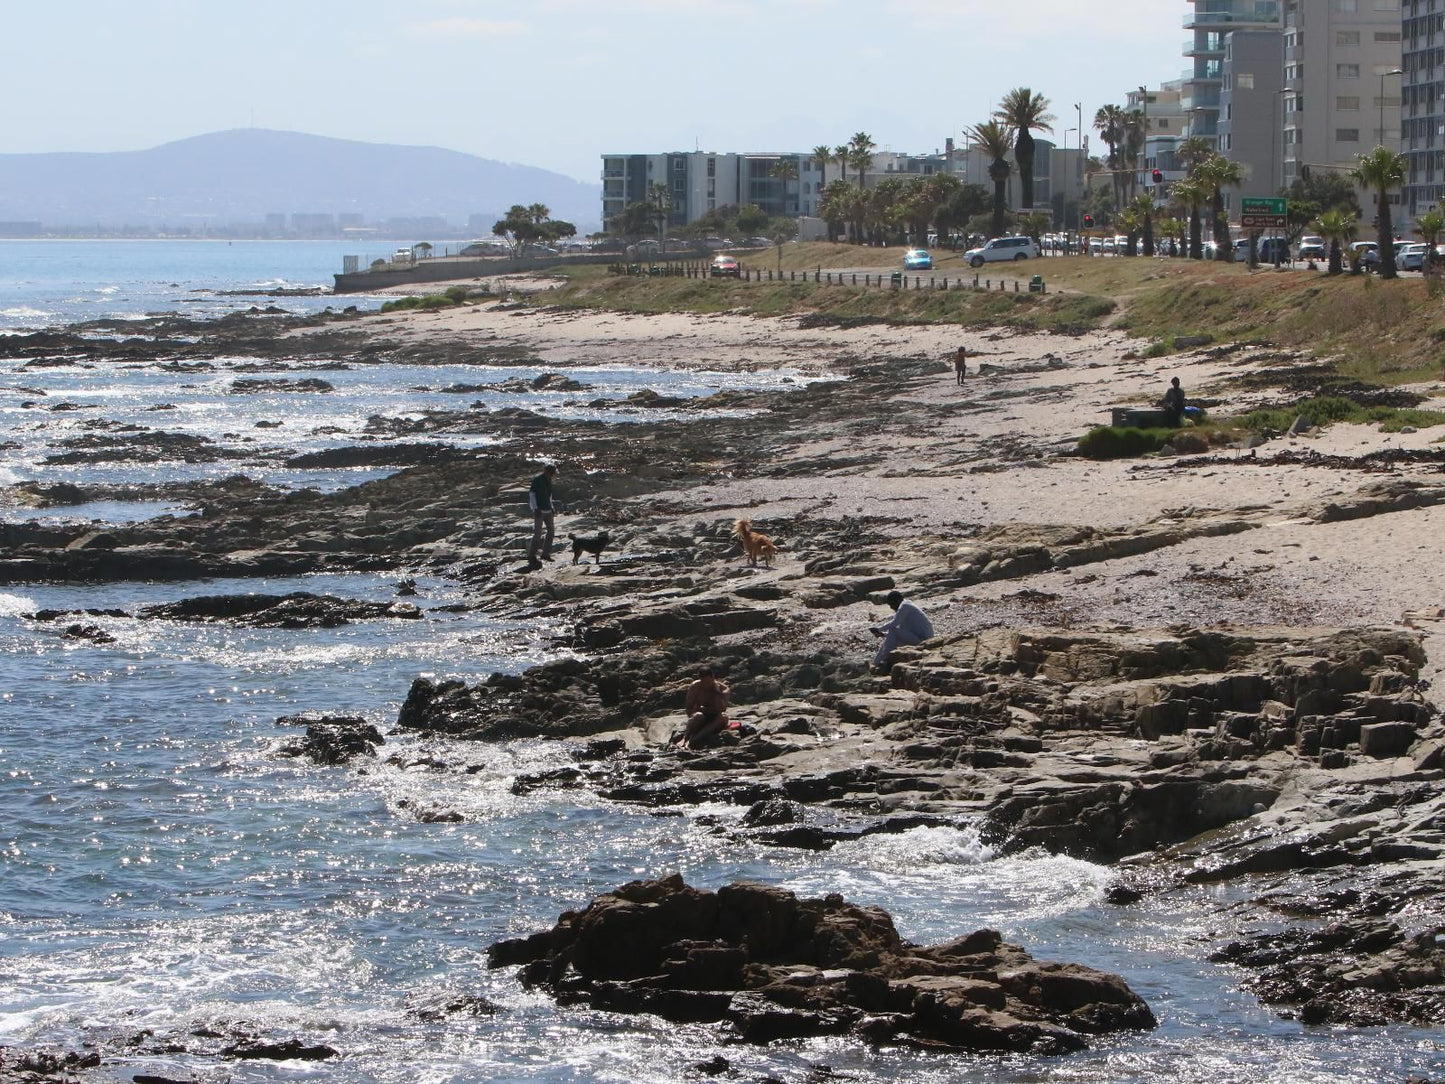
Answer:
(769, 965)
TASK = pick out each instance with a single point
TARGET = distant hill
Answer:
(243, 175)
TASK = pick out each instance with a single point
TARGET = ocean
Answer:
(165, 875)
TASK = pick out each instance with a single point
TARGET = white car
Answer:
(1003, 248)
(1410, 256)
(1313, 247)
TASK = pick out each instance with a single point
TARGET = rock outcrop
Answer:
(769, 965)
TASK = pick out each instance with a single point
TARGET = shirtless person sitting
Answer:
(706, 707)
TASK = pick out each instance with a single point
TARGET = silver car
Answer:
(1003, 248)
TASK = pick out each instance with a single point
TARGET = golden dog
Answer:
(755, 545)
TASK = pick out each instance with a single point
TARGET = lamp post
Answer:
(1392, 71)
(1079, 173)
(1067, 186)
(1144, 135)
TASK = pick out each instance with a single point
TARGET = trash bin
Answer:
(1036, 284)
(897, 278)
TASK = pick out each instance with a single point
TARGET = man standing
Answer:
(909, 626)
(960, 363)
(540, 500)
(706, 708)
(1174, 404)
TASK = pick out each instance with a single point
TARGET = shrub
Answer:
(1120, 442)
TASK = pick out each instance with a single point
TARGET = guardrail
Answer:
(896, 280)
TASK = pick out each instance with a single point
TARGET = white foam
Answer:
(14, 605)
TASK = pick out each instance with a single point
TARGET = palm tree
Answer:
(1220, 173)
(833, 208)
(1144, 207)
(823, 154)
(840, 155)
(996, 140)
(785, 170)
(1191, 194)
(1193, 151)
(1337, 227)
(1130, 221)
(1134, 137)
(1382, 169)
(1431, 224)
(860, 153)
(1111, 122)
(1024, 112)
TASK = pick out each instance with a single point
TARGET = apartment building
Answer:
(1251, 111)
(1211, 22)
(1423, 124)
(1342, 81)
(1165, 123)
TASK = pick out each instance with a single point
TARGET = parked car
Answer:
(1410, 256)
(1313, 247)
(1367, 252)
(402, 255)
(725, 267)
(483, 248)
(917, 259)
(1272, 248)
(1002, 248)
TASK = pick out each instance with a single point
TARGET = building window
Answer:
(1347, 37)
(1347, 135)
(1345, 5)
(1347, 103)
(1347, 71)
(1387, 35)
(1244, 80)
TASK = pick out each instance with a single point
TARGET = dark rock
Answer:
(290, 1050)
(774, 966)
(332, 739)
(248, 386)
(298, 610)
(1387, 739)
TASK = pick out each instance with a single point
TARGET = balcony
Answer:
(1194, 47)
(1234, 13)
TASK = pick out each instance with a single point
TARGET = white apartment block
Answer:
(1423, 125)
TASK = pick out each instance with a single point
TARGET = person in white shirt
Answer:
(910, 625)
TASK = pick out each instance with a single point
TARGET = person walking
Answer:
(960, 364)
(539, 497)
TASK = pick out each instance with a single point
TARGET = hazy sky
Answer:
(556, 83)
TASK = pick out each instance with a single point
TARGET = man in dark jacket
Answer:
(539, 497)
(1174, 403)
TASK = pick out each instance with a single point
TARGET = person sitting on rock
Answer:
(1174, 403)
(909, 626)
(706, 708)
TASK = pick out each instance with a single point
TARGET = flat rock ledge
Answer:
(768, 965)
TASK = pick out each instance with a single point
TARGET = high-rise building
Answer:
(1251, 111)
(1341, 81)
(1211, 22)
(1423, 124)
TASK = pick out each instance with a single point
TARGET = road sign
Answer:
(1263, 213)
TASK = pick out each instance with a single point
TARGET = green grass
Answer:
(1323, 410)
(1122, 442)
(448, 298)
(1062, 313)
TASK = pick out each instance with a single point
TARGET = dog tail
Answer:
(743, 527)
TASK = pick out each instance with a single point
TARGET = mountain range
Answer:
(241, 176)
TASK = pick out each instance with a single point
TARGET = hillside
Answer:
(245, 174)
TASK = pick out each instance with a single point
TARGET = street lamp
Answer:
(1392, 71)
(1067, 186)
(1144, 101)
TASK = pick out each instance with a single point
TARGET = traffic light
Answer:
(1088, 222)
(1158, 176)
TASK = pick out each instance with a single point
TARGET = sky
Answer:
(558, 83)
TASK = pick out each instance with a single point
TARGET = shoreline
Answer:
(1097, 620)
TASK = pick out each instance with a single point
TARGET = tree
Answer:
(996, 140)
(1134, 137)
(422, 249)
(752, 218)
(782, 230)
(1130, 222)
(785, 170)
(1338, 228)
(1219, 173)
(966, 201)
(860, 153)
(1328, 188)
(1193, 151)
(1382, 169)
(1025, 112)
(516, 228)
(833, 208)
(840, 155)
(823, 154)
(1034, 224)
(1111, 121)
(1431, 224)
(634, 221)
(1191, 194)
(1144, 207)
(660, 202)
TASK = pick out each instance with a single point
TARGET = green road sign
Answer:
(1264, 205)
(1263, 213)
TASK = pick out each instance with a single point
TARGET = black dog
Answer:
(594, 545)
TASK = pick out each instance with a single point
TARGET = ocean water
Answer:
(53, 283)
(163, 868)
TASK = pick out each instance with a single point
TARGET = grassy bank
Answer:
(1063, 313)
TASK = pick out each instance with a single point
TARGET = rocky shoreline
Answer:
(1183, 669)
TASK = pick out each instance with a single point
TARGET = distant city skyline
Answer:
(556, 82)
